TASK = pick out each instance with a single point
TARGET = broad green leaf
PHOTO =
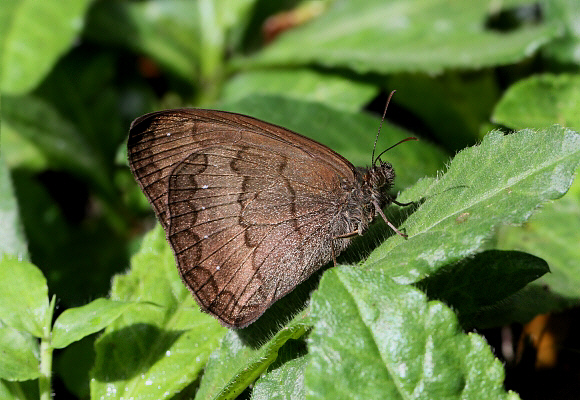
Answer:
(466, 286)
(285, 382)
(79, 258)
(153, 276)
(235, 365)
(6, 14)
(541, 101)
(5, 392)
(23, 390)
(83, 91)
(301, 84)
(76, 323)
(375, 339)
(19, 355)
(23, 297)
(566, 49)
(400, 35)
(18, 152)
(38, 33)
(552, 234)
(148, 351)
(12, 240)
(187, 38)
(501, 181)
(168, 31)
(58, 139)
(216, 17)
(349, 134)
(229, 13)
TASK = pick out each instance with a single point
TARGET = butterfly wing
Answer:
(250, 208)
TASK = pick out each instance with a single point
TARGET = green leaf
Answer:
(500, 181)
(24, 297)
(151, 351)
(375, 339)
(285, 382)
(78, 258)
(465, 286)
(12, 240)
(235, 365)
(541, 101)
(82, 90)
(19, 355)
(301, 84)
(188, 38)
(23, 390)
(58, 139)
(553, 235)
(18, 152)
(38, 33)
(349, 134)
(566, 49)
(168, 31)
(76, 323)
(404, 36)
(153, 276)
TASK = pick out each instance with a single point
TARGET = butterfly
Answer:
(250, 209)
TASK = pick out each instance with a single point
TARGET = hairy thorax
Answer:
(368, 191)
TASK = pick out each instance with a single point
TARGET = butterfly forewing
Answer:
(249, 208)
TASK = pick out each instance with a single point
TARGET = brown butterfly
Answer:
(250, 209)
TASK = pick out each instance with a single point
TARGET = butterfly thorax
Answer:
(370, 188)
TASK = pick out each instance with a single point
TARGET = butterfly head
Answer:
(378, 179)
(380, 176)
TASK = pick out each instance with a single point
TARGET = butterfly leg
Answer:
(344, 236)
(402, 204)
(388, 222)
(333, 254)
(347, 235)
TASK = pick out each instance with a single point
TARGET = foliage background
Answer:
(75, 73)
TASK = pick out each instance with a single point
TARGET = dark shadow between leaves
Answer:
(493, 288)
(190, 390)
(130, 351)
(520, 307)
(509, 19)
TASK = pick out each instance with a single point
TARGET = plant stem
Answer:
(44, 381)
(45, 378)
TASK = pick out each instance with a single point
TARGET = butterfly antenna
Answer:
(396, 144)
(373, 160)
